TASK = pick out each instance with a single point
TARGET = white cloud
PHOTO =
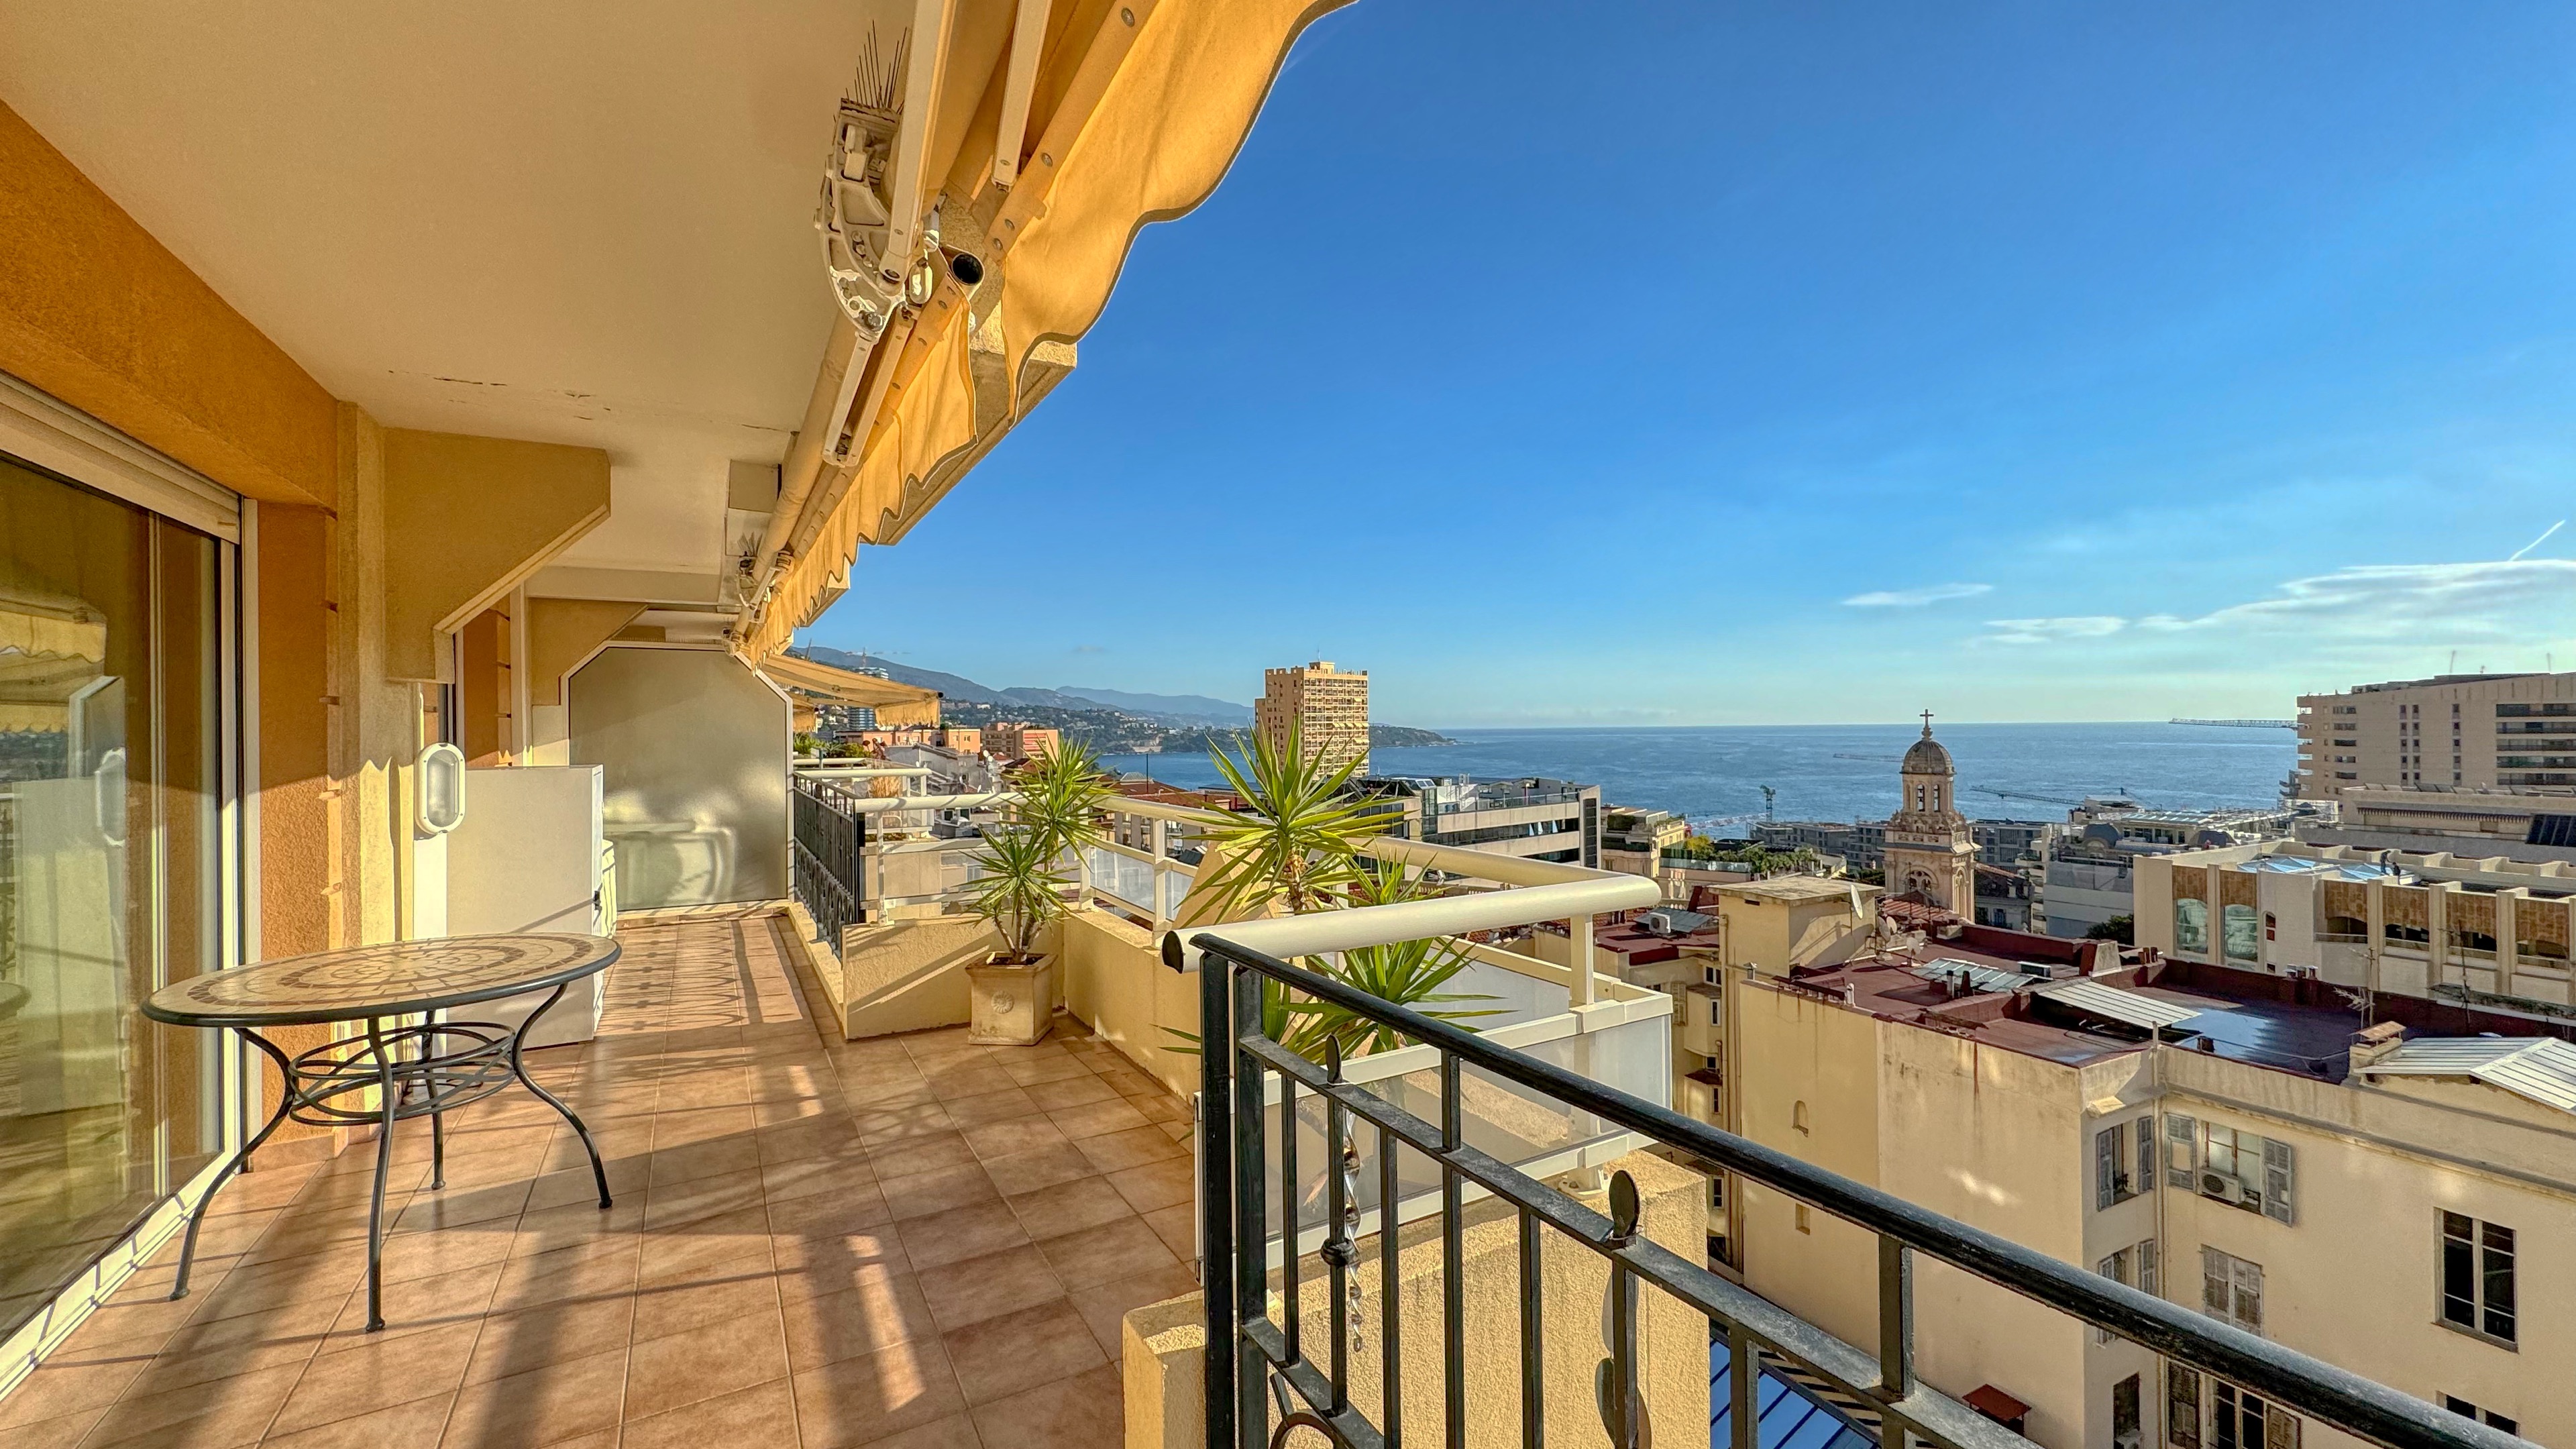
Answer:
(1917, 598)
(2050, 631)
(2516, 599)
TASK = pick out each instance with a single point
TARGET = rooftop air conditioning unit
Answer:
(1658, 923)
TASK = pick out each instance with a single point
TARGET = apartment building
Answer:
(1634, 841)
(1327, 707)
(2090, 878)
(2390, 1206)
(2439, 941)
(1014, 741)
(1533, 817)
(2450, 731)
(2525, 823)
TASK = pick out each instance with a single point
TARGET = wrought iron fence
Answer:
(828, 850)
(1249, 1350)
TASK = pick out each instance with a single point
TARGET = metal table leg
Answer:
(384, 1161)
(598, 1172)
(286, 1100)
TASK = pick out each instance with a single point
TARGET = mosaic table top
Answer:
(394, 979)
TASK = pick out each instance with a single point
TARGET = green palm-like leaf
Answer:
(1062, 793)
(1019, 889)
(1296, 845)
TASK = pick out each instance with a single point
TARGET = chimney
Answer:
(2374, 1042)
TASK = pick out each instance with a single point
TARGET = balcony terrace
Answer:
(815, 1243)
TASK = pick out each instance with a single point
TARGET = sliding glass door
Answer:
(114, 724)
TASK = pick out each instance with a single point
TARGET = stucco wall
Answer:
(1163, 1359)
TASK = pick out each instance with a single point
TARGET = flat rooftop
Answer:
(2312, 1041)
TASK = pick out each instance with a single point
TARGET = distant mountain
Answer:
(1188, 708)
(952, 686)
(1181, 709)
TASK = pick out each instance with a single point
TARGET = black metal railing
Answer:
(1248, 1349)
(828, 855)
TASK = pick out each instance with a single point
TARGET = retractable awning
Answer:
(895, 704)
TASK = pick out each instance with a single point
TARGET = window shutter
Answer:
(2280, 1428)
(2146, 1180)
(2279, 1204)
(2182, 1154)
(2106, 1163)
(2214, 1284)
(2147, 1267)
(2182, 1407)
(2249, 1295)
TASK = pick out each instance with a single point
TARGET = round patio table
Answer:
(425, 1066)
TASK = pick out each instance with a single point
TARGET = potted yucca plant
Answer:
(1020, 886)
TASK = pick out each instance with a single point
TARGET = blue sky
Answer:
(1730, 364)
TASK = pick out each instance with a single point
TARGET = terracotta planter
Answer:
(1010, 1005)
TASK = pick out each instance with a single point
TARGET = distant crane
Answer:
(1770, 794)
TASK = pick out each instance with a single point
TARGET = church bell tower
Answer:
(1931, 854)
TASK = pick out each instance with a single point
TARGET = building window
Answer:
(2191, 926)
(2477, 1277)
(1713, 1007)
(2258, 1174)
(2489, 1417)
(2231, 1291)
(2134, 1266)
(2124, 1162)
(2271, 927)
(2238, 929)
(2243, 1419)
(2182, 1407)
(2127, 1416)
(1798, 1116)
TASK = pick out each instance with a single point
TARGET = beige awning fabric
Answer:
(895, 704)
(1152, 145)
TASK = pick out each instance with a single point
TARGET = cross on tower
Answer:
(1927, 724)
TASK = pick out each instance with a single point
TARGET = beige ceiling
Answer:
(568, 222)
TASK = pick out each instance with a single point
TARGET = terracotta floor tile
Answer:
(1014, 1135)
(417, 1305)
(224, 1412)
(708, 1158)
(928, 1152)
(968, 1232)
(950, 1083)
(1121, 1249)
(403, 1426)
(1178, 1227)
(1061, 1066)
(589, 1270)
(533, 1338)
(378, 1374)
(937, 1192)
(222, 1347)
(702, 1362)
(988, 1287)
(458, 1206)
(64, 1431)
(1085, 1202)
(954, 1432)
(1082, 1412)
(763, 1415)
(810, 1263)
(1000, 1106)
(829, 1212)
(543, 1406)
(54, 1390)
(855, 1322)
(1104, 1306)
(693, 1251)
(1157, 1185)
(742, 1288)
(1078, 1090)
(681, 1203)
(1045, 1167)
(1097, 1119)
(801, 1177)
(893, 1125)
(1000, 1356)
(868, 1399)
(1122, 1150)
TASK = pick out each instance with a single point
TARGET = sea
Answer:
(1846, 772)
